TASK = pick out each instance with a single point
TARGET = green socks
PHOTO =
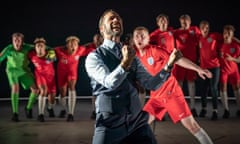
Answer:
(31, 100)
(15, 101)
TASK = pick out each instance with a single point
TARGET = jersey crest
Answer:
(209, 40)
(76, 57)
(150, 60)
(232, 50)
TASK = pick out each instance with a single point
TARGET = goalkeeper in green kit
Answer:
(18, 72)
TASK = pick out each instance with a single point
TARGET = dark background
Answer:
(55, 20)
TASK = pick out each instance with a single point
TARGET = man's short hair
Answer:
(185, 16)
(18, 34)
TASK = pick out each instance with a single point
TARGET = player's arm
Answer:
(230, 58)
(188, 64)
(86, 45)
(4, 53)
(236, 39)
(29, 46)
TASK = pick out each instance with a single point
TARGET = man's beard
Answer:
(113, 33)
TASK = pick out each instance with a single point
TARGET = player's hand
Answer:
(203, 73)
(229, 57)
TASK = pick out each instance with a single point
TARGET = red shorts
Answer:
(182, 74)
(232, 78)
(48, 80)
(63, 77)
(175, 104)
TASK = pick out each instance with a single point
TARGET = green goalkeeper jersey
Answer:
(17, 61)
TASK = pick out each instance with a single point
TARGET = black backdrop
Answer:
(55, 20)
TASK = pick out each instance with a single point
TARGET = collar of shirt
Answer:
(114, 47)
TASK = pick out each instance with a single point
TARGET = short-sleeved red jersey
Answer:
(187, 41)
(169, 97)
(232, 49)
(41, 64)
(164, 39)
(69, 62)
(154, 59)
(67, 66)
(44, 71)
(209, 50)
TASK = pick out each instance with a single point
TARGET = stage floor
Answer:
(58, 131)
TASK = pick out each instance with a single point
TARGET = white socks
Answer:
(203, 137)
(41, 104)
(63, 102)
(71, 101)
(50, 105)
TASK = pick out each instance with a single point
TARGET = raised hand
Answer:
(128, 54)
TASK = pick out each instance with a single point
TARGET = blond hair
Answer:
(70, 38)
(139, 28)
(18, 34)
(39, 40)
(185, 16)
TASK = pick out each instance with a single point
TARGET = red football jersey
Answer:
(163, 39)
(70, 61)
(41, 65)
(209, 50)
(232, 49)
(187, 41)
(154, 59)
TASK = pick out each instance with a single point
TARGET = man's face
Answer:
(112, 25)
(185, 23)
(140, 38)
(228, 35)
(204, 28)
(17, 42)
(40, 49)
(72, 46)
(163, 23)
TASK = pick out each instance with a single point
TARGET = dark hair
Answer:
(104, 13)
(229, 27)
(103, 17)
(160, 16)
(204, 22)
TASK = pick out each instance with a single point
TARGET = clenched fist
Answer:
(128, 54)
